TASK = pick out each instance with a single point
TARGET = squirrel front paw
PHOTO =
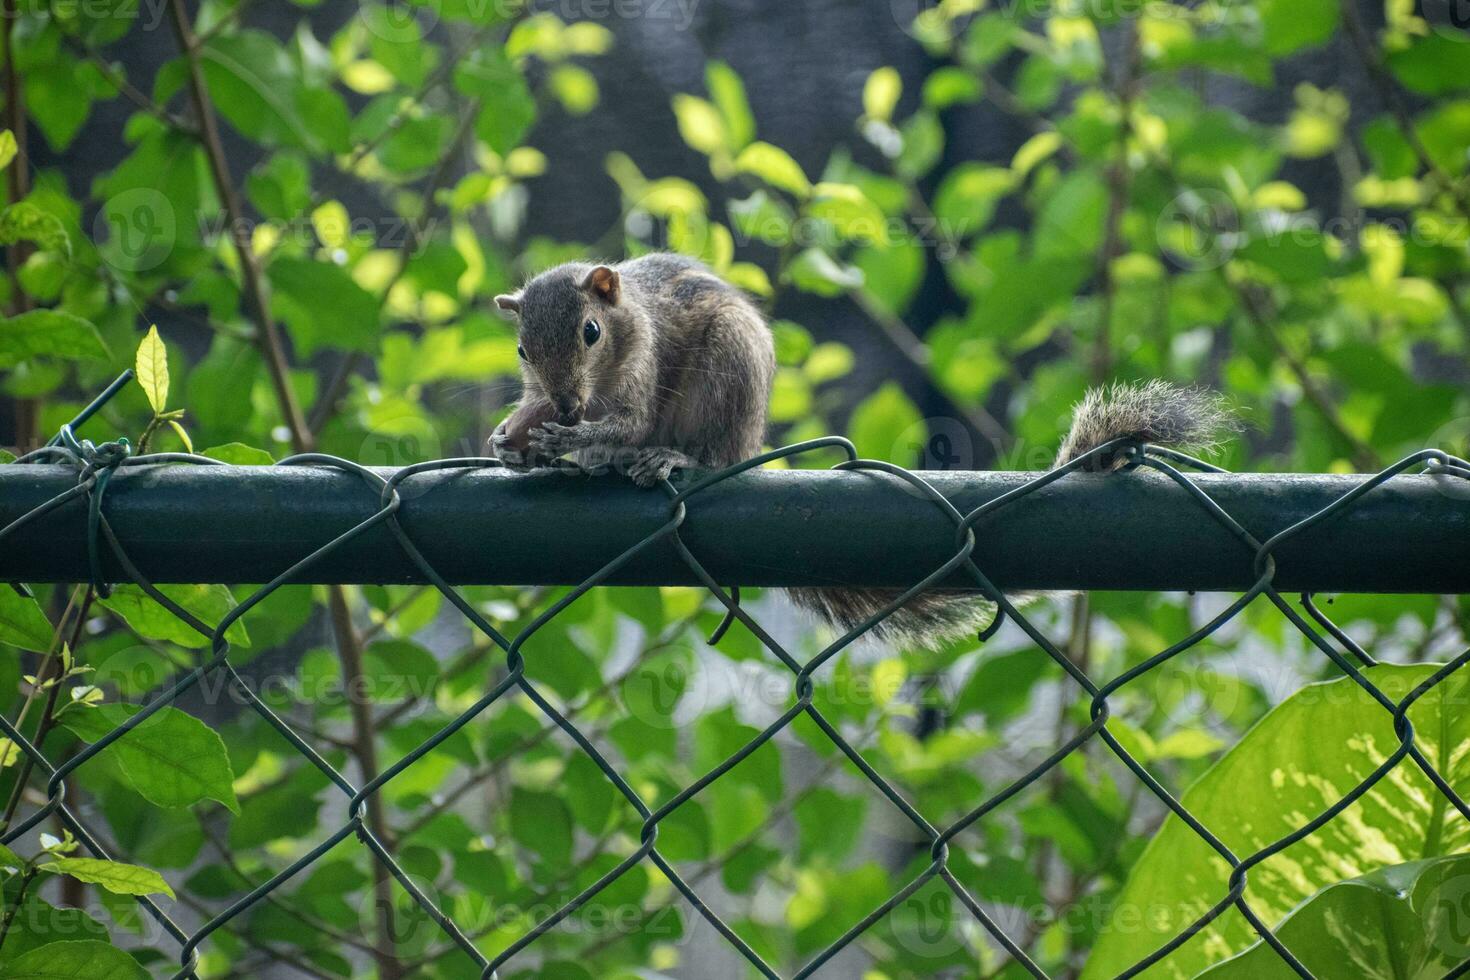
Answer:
(552, 439)
(502, 447)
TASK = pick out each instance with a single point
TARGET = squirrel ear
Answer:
(605, 284)
(510, 304)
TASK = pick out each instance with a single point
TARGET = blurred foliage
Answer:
(1140, 230)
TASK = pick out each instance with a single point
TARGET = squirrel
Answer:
(657, 364)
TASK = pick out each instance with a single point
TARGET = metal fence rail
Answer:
(1196, 527)
(486, 526)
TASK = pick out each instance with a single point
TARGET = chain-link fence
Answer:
(97, 464)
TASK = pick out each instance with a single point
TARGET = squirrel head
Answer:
(574, 329)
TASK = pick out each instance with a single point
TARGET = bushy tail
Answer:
(927, 621)
(1188, 419)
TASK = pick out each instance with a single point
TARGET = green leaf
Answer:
(828, 362)
(208, 603)
(116, 877)
(966, 200)
(1299, 256)
(774, 166)
(886, 425)
(1305, 754)
(172, 759)
(256, 85)
(1289, 25)
(1000, 688)
(923, 145)
(22, 623)
(239, 454)
(814, 271)
(542, 823)
(949, 86)
(849, 212)
(26, 222)
(323, 306)
(893, 273)
(8, 148)
(762, 216)
(85, 959)
(1403, 921)
(152, 369)
(509, 106)
(38, 923)
(1072, 220)
(1433, 65)
(48, 333)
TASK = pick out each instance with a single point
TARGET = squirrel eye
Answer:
(591, 331)
(521, 353)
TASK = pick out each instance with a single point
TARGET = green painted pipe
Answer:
(1135, 530)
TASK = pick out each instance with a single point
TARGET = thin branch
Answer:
(1118, 179)
(269, 336)
(18, 179)
(327, 405)
(365, 749)
(349, 649)
(118, 79)
(1393, 97)
(50, 670)
(916, 352)
(1254, 304)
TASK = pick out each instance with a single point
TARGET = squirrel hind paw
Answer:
(652, 466)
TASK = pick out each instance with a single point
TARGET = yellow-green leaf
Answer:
(116, 877)
(1034, 151)
(881, 92)
(8, 148)
(774, 166)
(728, 93)
(152, 368)
(700, 123)
(332, 225)
(183, 436)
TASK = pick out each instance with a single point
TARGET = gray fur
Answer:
(1187, 419)
(1155, 412)
(682, 377)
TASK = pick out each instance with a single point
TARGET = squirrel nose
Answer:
(568, 408)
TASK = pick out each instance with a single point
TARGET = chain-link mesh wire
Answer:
(96, 464)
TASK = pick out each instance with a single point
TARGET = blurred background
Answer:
(959, 214)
